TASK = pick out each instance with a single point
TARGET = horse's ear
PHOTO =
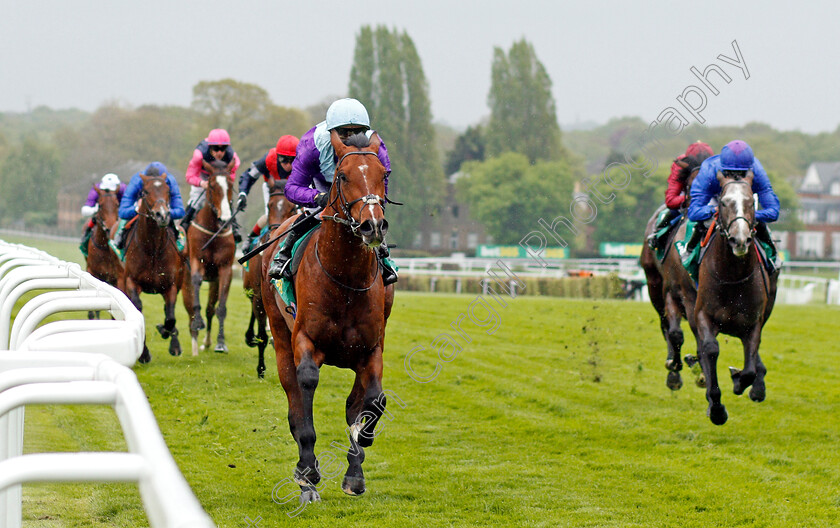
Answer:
(681, 163)
(375, 141)
(750, 175)
(337, 144)
(207, 167)
(229, 167)
(720, 177)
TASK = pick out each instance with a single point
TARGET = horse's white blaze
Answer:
(158, 184)
(740, 229)
(223, 183)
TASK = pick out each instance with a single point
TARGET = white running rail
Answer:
(78, 362)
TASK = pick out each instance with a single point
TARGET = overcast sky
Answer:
(605, 59)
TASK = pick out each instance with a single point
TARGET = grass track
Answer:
(560, 418)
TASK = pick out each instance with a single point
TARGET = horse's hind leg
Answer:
(223, 288)
(708, 351)
(753, 371)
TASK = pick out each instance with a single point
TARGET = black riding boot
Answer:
(389, 275)
(653, 238)
(280, 268)
(188, 216)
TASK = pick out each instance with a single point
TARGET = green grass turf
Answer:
(559, 418)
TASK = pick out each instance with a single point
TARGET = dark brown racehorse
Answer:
(342, 311)
(102, 263)
(279, 209)
(735, 294)
(152, 261)
(670, 288)
(210, 260)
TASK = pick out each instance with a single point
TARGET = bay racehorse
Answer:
(102, 262)
(279, 209)
(153, 263)
(735, 294)
(342, 309)
(211, 250)
(671, 290)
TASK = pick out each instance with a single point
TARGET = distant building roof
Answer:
(819, 177)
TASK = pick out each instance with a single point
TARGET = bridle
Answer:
(725, 229)
(370, 199)
(142, 196)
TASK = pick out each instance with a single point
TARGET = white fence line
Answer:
(793, 289)
(78, 361)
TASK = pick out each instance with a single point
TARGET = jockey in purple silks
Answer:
(312, 174)
(110, 182)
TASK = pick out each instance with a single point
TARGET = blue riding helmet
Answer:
(736, 156)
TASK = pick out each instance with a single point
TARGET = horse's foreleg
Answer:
(708, 351)
(221, 312)
(132, 291)
(670, 324)
(195, 278)
(170, 297)
(262, 340)
(354, 478)
(210, 311)
(307, 372)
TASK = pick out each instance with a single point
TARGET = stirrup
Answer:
(389, 276)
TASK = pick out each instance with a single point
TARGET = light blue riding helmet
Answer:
(345, 112)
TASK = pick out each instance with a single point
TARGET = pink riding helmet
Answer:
(218, 136)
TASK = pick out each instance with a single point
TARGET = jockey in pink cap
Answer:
(216, 146)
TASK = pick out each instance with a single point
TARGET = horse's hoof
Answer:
(261, 372)
(175, 347)
(674, 381)
(353, 485)
(145, 357)
(309, 495)
(164, 333)
(221, 348)
(757, 394)
(690, 360)
(717, 413)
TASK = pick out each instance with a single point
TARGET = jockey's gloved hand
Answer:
(321, 199)
(243, 201)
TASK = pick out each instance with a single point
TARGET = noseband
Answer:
(725, 230)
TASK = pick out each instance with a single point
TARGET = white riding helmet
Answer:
(346, 112)
(110, 182)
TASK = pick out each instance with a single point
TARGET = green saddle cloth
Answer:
(285, 287)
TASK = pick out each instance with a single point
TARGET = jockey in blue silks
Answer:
(128, 204)
(736, 156)
(312, 173)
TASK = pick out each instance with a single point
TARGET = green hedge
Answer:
(596, 287)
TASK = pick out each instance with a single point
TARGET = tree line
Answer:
(514, 167)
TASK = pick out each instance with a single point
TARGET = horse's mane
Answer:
(359, 140)
(218, 164)
(691, 163)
